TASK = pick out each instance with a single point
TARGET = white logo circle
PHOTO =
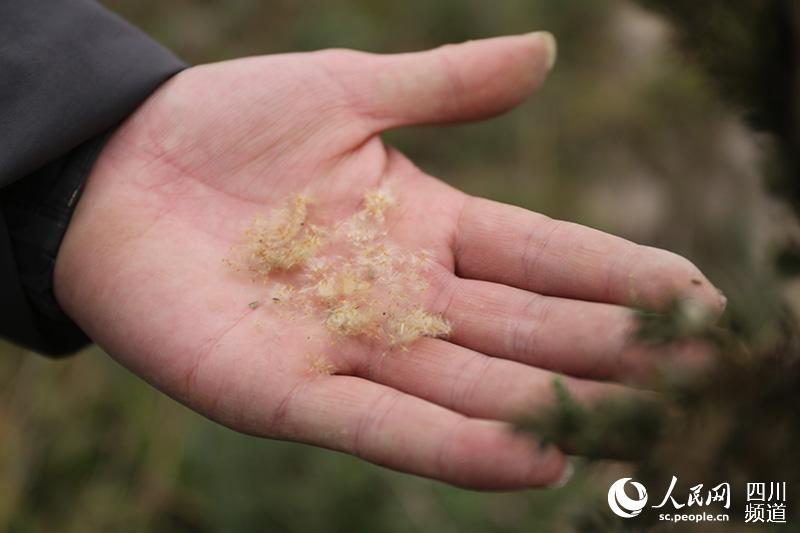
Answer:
(621, 504)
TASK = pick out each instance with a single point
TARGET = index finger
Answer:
(507, 244)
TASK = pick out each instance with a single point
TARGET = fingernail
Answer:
(723, 301)
(566, 475)
(550, 45)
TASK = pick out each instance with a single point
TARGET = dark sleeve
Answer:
(69, 72)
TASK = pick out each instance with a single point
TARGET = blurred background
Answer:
(626, 136)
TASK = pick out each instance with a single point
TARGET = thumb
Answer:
(468, 81)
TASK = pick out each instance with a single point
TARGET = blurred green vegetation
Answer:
(625, 136)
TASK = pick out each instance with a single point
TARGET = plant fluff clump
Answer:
(281, 241)
(348, 275)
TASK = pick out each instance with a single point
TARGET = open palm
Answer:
(529, 298)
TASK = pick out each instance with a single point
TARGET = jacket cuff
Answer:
(37, 210)
(69, 71)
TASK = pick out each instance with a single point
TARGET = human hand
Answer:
(528, 297)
